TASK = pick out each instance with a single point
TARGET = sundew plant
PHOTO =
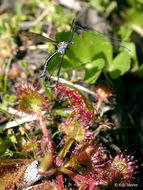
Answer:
(74, 131)
(73, 152)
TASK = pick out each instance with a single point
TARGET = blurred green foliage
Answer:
(8, 100)
(105, 7)
(7, 142)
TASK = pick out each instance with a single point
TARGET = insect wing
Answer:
(97, 35)
(37, 38)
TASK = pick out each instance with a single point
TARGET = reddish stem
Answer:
(46, 141)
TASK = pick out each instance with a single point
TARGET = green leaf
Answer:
(132, 53)
(62, 36)
(61, 112)
(125, 32)
(93, 70)
(5, 144)
(91, 46)
(120, 65)
(88, 47)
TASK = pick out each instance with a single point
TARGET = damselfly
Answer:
(61, 46)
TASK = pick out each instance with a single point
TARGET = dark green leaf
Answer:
(93, 70)
(120, 65)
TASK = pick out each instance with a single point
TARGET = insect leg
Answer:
(60, 64)
(74, 30)
(46, 64)
(71, 30)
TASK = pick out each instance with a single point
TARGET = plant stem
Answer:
(66, 147)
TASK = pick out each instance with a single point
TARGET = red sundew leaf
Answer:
(120, 168)
(82, 108)
(12, 172)
(59, 179)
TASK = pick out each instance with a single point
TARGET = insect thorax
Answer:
(62, 47)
